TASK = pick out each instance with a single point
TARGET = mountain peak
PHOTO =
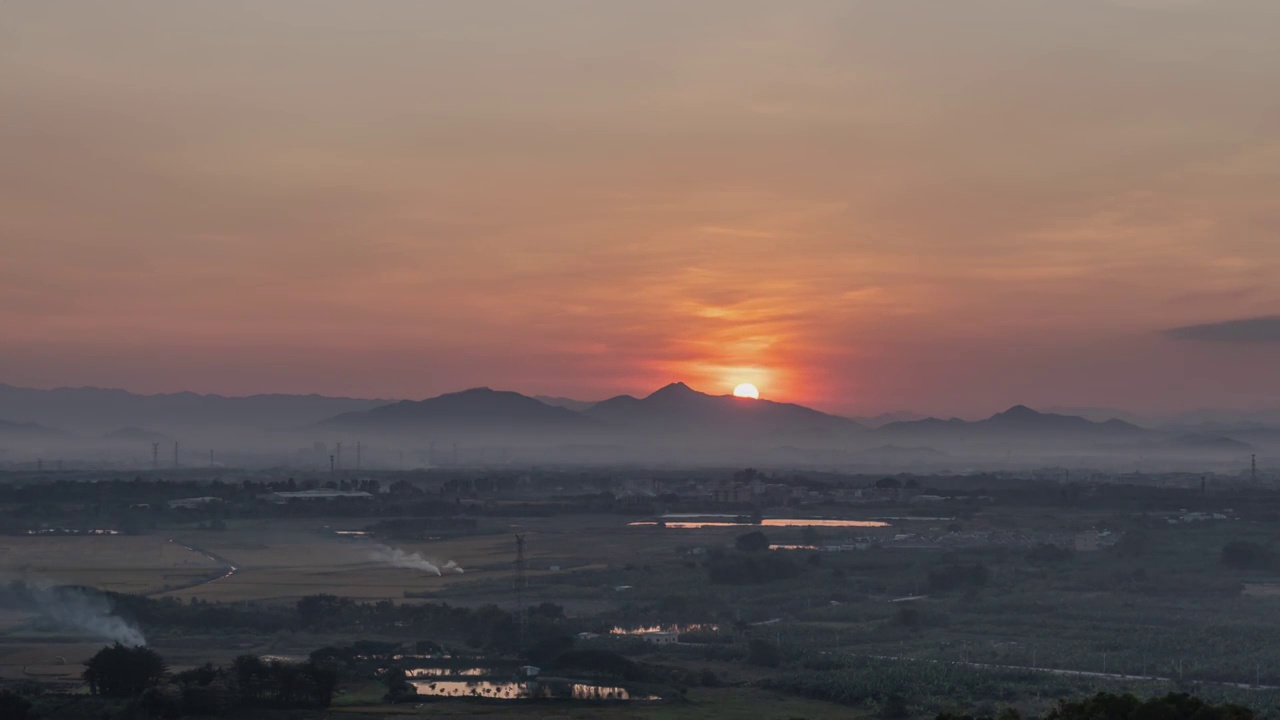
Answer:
(1018, 412)
(674, 389)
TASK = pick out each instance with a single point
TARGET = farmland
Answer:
(967, 606)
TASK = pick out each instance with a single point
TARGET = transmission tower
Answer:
(518, 582)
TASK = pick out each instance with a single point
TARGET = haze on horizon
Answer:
(945, 207)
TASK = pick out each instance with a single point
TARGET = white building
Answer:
(660, 637)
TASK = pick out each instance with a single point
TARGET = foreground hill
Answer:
(678, 408)
(475, 411)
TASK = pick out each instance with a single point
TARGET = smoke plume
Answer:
(73, 608)
(412, 561)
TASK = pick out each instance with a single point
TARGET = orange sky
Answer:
(942, 206)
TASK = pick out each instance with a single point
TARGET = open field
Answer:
(700, 704)
(977, 603)
(120, 563)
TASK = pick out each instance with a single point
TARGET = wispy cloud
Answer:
(1245, 330)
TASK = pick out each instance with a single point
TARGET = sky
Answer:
(947, 207)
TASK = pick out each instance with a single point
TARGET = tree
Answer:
(763, 653)
(119, 671)
(399, 688)
(810, 536)
(1174, 706)
(888, 483)
(13, 706)
(895, 707)
(1245, 554)
(752, 542)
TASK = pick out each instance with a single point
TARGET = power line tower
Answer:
(339, 452)
(155, 456)
(518, 583)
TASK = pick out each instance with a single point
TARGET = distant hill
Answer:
(29, 431)
(1207, 442)
(100, 410)
(882, 419)
(896, 453)
(135, 434)
(564, 402)
(679, 409)
(475, 411)
(1019, 424)
(1101, 414)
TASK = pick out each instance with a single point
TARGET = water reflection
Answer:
(524, 691)
(448, 672)
(767, 522)
(664, 628)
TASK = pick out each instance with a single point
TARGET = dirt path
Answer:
(1076, 673)
(228, 569)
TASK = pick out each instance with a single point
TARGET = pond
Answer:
(678, 629)
(431, 672)
(510, 690)
(766, 522)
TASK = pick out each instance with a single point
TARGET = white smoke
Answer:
(72, 607)
(412, 561)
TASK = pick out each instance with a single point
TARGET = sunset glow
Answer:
(746, 390)
(629, 193)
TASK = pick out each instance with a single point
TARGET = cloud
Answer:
(1246, 330)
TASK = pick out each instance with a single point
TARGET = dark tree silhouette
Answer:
(752, 542)
(119, 671)
(1174, 706)
(14, 706)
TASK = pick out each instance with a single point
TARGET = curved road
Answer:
(228, 569)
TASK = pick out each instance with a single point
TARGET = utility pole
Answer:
(519, 586)
(339, 451)
(155, 456)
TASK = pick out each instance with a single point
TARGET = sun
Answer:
(746, 390)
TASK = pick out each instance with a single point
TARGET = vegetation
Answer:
(120, 671)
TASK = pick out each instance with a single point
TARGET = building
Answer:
(284, 497)
(193, 503)
(660, 637)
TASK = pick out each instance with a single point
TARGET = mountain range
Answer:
(674, 416)
(99, 410)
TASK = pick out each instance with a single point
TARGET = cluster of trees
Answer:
(1174, 706)
(1247, 555)
(955, 577)
(140, 674)
(1050, 553)
(487, 627)
(750, 569)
